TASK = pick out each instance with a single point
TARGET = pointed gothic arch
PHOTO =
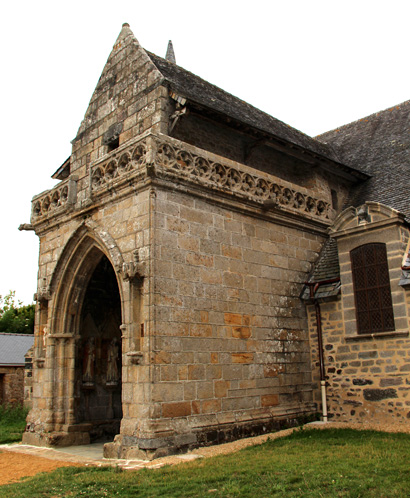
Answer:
(86, 312)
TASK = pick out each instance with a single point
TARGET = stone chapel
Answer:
(205, 268)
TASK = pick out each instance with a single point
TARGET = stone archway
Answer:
(98, 355)
(81, 310)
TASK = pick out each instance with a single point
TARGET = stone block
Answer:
(199, 260)
(241, 332)
(179, 409)
(269, 400)
(211, 406)
(379, 394)
(221, 388)
(205, 390)
(233, 319)
(273, 370)
(391, 381)
(196, 372)
(167, 391)
(213, 372)
(242, 357)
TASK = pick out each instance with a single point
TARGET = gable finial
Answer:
(170, 57)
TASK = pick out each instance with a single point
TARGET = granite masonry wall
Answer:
(230, 343)
(12, 385)
(367, 374)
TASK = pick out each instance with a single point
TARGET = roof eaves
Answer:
(63, 171)
(251, 117)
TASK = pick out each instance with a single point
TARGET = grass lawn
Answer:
(12, 423)
(309, 463)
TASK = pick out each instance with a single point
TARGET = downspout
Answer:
(313, 287)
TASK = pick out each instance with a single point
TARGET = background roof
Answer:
(378, 145)
(13, 347)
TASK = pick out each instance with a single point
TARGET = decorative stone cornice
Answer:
(198, 166)
(56, 200)
(118, 165)
(156, 155)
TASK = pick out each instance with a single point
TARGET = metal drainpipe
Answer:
(313, 287)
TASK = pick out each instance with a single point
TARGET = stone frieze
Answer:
(190, 164)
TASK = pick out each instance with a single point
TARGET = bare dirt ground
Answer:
(15, 465)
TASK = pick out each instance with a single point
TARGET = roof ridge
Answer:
(17, 334)
(329, 154)
(227, 93)
(363, 119)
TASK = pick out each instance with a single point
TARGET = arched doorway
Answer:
(98, 355)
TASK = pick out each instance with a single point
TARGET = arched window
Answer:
(371, 286)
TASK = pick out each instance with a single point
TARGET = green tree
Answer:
(14, 316)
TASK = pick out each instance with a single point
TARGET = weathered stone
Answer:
(379, 394)
(362, 382)
(391, 381)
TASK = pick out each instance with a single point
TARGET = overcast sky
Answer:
(313, 64)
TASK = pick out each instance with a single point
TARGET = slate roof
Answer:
(326, 268)
(199, 91)
(378, 145)
(13, 347)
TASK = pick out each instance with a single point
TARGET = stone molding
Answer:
(158, 155)
(55, 200)
(351, 221)
(216, 173)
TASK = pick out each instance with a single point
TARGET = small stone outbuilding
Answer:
(15, 366)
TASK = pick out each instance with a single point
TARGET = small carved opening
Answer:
(114, 144)
(335, 203)
(111, 137)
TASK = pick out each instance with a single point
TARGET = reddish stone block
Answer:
(196, 407)
(232, 251)
(233, 319)
(242, 357)
(180, 409)
(273, 370)
(241, 332)
(161, 357)
(196, 372)
(269, 400)
(183, 372)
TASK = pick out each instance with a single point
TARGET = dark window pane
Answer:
(371, 286)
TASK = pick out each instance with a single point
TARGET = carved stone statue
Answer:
(89, 361)
(112, 360)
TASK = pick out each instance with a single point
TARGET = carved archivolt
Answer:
(87, 235)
